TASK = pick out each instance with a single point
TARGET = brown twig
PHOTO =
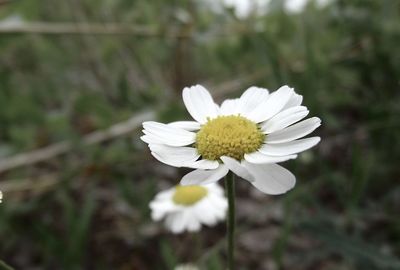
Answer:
(3, 2)
(89, 28)
(57, 149)
(79, 28)
(19, 185)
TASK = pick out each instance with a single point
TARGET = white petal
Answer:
(284, 119)
(237, 168)
(289, 148)
(169, 135)
(251, 98)
(295, 100)
(169, 220)
(169, 161)
(186, 125)
(181, 153)
(157, 215)
(185, 220)
(214, 188)
(193, 224)
(203, 177)
(271, 178)
(151, 139)
(199, 103)
(219, 202)
(203, 164)
(261, 158)
(204, 212)
(230, 107)
(276, 101)
(165, 194)
(176, 221)
(295, 131)
(159, 209)
(174, 156)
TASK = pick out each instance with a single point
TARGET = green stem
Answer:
(230, 190)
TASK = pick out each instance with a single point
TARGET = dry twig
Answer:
(79, 28)
(57, 149)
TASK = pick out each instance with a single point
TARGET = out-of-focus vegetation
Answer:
(88, 208)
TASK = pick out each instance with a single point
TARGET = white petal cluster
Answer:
(279, 115)
(246, 8)
(186, 267)
(209, 210)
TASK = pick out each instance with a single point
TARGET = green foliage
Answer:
(93, 214)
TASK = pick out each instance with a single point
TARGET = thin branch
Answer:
(35, 183)
(86, 28)
(4, 2)
(57, 149)
(79, 28)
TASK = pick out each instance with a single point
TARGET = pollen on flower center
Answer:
(189, 195)
(231, 136)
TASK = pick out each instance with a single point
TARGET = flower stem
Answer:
(230, 190)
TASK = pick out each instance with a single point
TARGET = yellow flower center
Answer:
(231, 136)
(189, 195)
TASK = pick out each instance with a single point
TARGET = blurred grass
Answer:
(343, 214)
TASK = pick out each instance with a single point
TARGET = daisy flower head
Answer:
(247, 135)
(186, 208)
(1, 196)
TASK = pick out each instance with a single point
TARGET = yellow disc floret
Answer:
(231, 136)
(189, 195)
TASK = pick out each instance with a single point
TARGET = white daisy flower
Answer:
(1, 196)
(187, 207)
(247, 135)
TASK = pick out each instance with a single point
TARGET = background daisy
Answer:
(186, 208)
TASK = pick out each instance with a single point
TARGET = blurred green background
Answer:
(78, 76)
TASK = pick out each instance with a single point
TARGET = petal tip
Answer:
(185, 182)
